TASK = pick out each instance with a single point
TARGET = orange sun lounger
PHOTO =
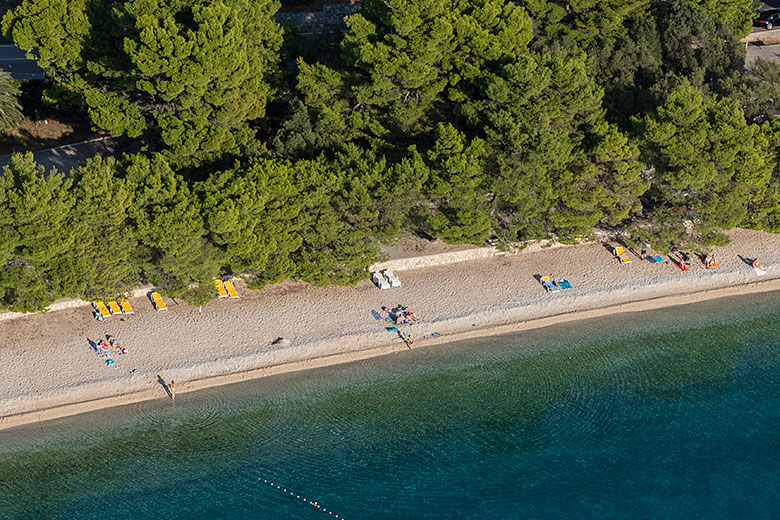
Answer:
(621, 255)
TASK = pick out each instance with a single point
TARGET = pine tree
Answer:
(251, 214)
(10, 109)
(107, 248)
(457, 185)
(185, 75)
(37, 263)
(713, 170)
(167, 218)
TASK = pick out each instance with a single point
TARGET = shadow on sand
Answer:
(164, 385)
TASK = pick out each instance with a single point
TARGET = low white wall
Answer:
(400, 264)
(68, 303)
(416, 262)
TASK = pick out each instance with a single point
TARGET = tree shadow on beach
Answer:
(164, 385)
(609, 247)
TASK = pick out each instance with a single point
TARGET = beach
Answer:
(49, 369)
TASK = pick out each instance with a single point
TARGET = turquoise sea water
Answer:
(664, 414)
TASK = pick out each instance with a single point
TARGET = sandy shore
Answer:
(49, 369)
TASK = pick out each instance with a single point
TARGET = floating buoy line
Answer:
(295, 495)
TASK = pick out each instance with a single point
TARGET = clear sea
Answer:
(669, 414)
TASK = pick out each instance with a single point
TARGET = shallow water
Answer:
(664, 414)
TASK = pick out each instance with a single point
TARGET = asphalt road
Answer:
(13, 60)
(769, 52)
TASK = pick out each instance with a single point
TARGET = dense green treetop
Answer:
(408, 61)
(738, 14)
(757, 90)
(560, 168)
(10, 109)
(251, 214)
(583, 22)
(168, 220)
(189, 73)
(675, 39)
(106, 249)
(37, 239)
(713, 170)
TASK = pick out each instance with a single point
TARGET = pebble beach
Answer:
(49, 369)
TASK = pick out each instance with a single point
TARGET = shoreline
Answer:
(662, 299)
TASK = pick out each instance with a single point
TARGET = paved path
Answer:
(69, 156)
(769, 52)
(316, 22)
(13, 60)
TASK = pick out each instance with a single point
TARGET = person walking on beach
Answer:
(172, 389)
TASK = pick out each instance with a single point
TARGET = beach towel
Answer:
(547, 283)
(658, 258)
(376, 315)
(759, 271)
(564, 284)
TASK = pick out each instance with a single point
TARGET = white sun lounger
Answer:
(380, 281)
(391, 277)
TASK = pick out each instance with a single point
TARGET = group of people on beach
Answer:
(107, 348)
(400, 315)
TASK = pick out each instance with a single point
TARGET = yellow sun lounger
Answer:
(230, 289)
(221, 289)
(621, 255)
(126, 306)
(158, 302)
(101, 308)
(113, 306)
